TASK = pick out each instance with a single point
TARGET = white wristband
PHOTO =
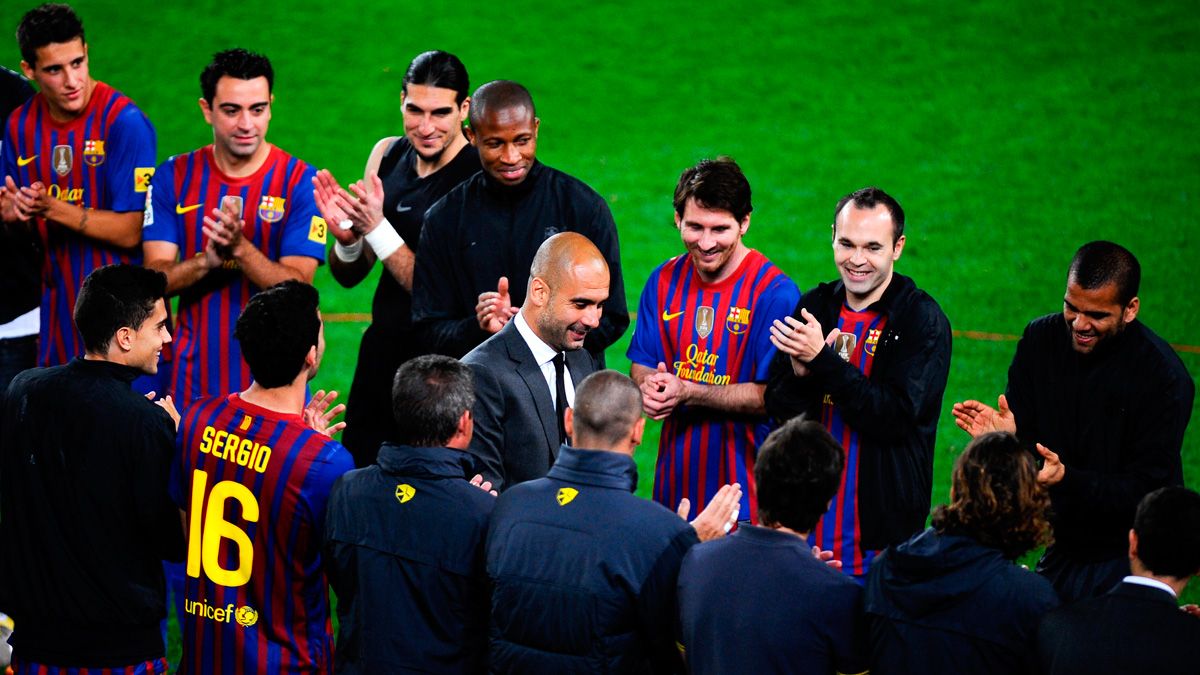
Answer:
(384, 240)
(348, 253)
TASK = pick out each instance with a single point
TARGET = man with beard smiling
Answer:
(1105, 402)
(479, 240)
(875, 378)
(525, 375)
(701, 348)
(228, 220)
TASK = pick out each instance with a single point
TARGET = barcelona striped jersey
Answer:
(254, 484)
(102, 159)
(839, 530)
(281, 219)
(154, 667)
(714, 334)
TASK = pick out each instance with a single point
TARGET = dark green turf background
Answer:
(1012, 132)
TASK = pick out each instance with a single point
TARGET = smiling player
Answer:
(700, 348)
(868, 355)
(228, 220)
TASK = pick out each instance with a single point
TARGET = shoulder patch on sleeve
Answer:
(317, 230)
(141, 178)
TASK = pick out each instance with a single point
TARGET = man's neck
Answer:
(238, 167)
(425, 167)
(288, 399)
(1137, 569)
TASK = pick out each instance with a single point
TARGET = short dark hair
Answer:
(115, 297)
(429, 395)
(869, 198)
(715, 184)
(439, 69)
(46, 24)
(1100, 263)
(1168, 532)
(995, 497)
(798, 470)
(237, 63)
(276, 330)
(607, 405)
(501, 95)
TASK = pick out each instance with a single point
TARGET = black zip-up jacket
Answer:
(1116, 418)
(404, 549)
(87, 520)
(895, 411)
(482, 230)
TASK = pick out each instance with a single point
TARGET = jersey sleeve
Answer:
(161, 223)
(646, 347)
(305, 232)
(130, 162)
(334, 461)
(777, 302)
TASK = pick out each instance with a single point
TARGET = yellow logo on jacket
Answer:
(404, 492)
(566, 495)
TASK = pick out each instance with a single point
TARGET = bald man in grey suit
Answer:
(525, 375)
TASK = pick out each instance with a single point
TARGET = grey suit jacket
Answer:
(516, 431)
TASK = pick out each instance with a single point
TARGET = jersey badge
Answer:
(317, 230)
(404, 492)
(93, 152)
(62, 159)
(565, 496)
(872, 341)
(141, 178)
(844, 345)
(246, 616)
(270, 209)
(25, 161)
(704, 321)
(667, 316)
(738, 321)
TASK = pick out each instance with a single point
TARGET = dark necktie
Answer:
(560, 397)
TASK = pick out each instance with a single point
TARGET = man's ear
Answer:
(123, 338)
(639, 428)
(569, 422)
(1131, 310)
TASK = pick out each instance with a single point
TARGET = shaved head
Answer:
(607, 406)
(559, 255)
(496, 96)
(568, 285)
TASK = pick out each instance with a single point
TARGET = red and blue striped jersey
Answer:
(838, 530)
(155, 667)
(102, 159)
(281, 219)
(254, 484)
(715, 334)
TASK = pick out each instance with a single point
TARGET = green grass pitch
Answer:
(1012, 132)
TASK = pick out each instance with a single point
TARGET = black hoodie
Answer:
(941, 603)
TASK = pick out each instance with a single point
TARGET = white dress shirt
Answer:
(544, 355)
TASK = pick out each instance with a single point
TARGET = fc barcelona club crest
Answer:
(62, 159)
(738, 321)
(704, 321)
(93, 152)
(270, 209)
(844, 345)
(872, 341)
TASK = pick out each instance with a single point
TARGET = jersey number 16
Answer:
(204, 539)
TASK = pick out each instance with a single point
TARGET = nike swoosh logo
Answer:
(180, 208)
(24, 161)
(668, 317)
(400, 208)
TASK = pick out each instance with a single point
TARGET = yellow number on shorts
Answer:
(204, 539)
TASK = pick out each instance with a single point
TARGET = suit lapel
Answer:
(539, 393)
